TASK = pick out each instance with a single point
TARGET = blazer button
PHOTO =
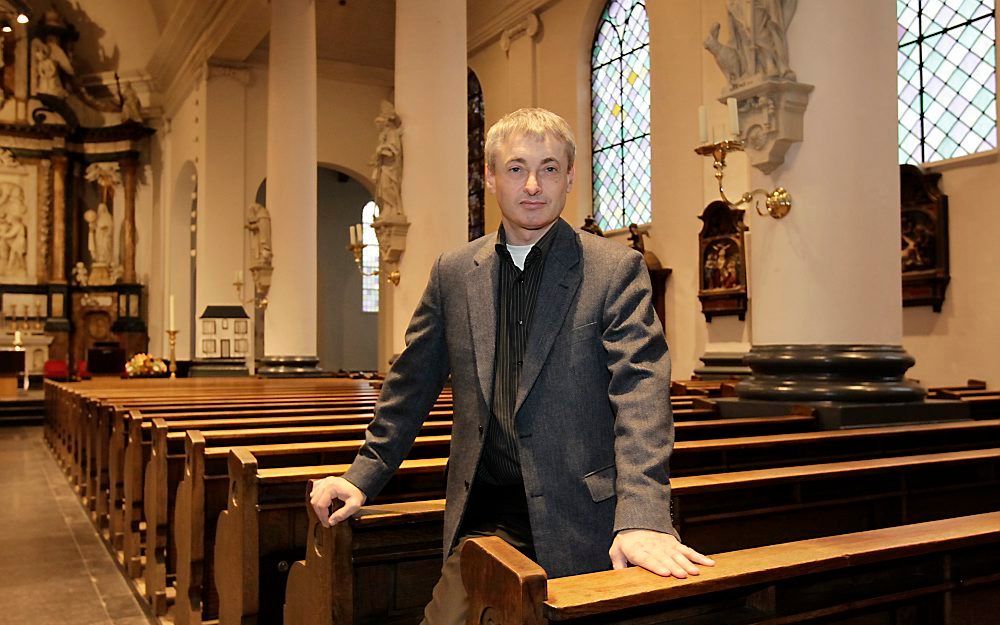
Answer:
(480, 430)
(466, 484)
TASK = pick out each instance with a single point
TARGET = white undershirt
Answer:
(518, 253)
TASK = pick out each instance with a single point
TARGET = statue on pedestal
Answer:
(259, 225)
(131, 107)
(388, 162)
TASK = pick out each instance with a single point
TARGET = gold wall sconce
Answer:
(357, 247)
(777, 202)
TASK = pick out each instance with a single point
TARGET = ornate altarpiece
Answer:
(722, 280)
(924, 238)
(65, 284)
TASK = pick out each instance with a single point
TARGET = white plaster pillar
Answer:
(828, 274)
(431, 101)
(290, 321)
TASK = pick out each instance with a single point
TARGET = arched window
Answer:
(947, 79)
(619, 84)
(369, 259)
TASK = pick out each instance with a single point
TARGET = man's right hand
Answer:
(335, 490)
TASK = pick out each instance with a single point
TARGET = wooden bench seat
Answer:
(263, 517)
(714, 513)
(936, 573)
(285, 445)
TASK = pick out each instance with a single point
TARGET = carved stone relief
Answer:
(18, 219)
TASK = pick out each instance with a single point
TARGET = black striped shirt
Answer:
(518, 292)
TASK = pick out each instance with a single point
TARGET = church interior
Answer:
(218, 216)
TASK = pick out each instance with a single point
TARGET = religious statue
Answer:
(131, 107)
(637, 244)
(49, 61)
(758, 46)
(13, 231)
(259, 225)
(100, 236)
(80, 273)
(589, 225)
(388, 162)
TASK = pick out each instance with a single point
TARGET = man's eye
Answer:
(514, 170)
(551, 169)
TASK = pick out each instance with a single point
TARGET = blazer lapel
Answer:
(482, 295)
(560, 280)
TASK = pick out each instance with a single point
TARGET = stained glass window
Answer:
(477, 139)
(619, 83)
(947, 78)
(369, 259)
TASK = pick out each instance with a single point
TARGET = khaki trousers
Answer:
(449, 602)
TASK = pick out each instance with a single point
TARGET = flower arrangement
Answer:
(145, 366)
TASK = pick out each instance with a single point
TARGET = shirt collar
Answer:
(540, 248)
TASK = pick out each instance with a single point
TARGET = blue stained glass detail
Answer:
(620, 115)
(946, 81)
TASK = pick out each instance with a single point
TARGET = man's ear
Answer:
(491, 182)
(570, 177)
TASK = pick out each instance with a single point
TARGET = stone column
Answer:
(431, 77)
(58, 265)
(128, 165)
(290, 321)
(827, 310)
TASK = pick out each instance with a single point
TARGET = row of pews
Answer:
(199, 487)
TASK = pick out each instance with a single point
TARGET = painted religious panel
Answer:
(924, 238)
(722, 280)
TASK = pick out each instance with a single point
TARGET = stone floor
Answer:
(54, 570)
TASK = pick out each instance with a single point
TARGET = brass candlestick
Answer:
(357, 249)
(778, 202)
(172, 337)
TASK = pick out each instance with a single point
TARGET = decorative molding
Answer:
(529, 26)
(44, 221)
(7, 160)
(236, 71)
(492, 29)
(195, 30)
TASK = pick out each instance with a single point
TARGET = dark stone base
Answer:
(722, 366)
(218, 368)
(868, 374)
(840, 415)
(290, 367)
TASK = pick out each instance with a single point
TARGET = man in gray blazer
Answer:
(560, 377)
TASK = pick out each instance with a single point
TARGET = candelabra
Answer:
(172, 337)
(778, 201)
(357, 248)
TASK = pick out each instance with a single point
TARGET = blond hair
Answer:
(534, 122)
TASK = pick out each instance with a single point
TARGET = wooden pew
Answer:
(263, 518)
(287, 445)
(720, 512)
(936, 573)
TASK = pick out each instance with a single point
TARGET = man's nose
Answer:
(531, 185)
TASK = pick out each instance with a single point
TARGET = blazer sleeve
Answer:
(639, 391)
(409, 391)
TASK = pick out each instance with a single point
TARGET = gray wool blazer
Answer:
(592, 410)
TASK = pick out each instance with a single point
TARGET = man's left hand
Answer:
(657, 552)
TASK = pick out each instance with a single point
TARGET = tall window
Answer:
(619, 84)
(477, 138)
(369, 259)
(947, 78)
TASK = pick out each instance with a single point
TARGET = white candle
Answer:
(734, 116)
(354, 235)
(173, 314)
(702, 125)
(239, 276)
(361, 233)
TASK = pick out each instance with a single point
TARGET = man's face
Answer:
(530, 183)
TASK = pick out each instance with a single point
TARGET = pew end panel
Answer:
(132, 508)
(505, 587)
(188, 535)
(155, 506)
(320, 588)
(236, 542)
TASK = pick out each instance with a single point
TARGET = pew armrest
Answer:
(505, 587)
